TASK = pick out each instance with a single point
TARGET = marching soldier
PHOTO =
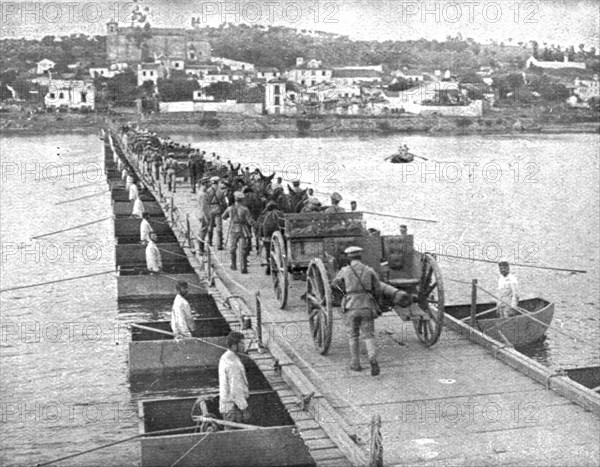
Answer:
(239, 228)
(217, 205)
(359, 306)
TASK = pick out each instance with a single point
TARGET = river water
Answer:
(63, 362)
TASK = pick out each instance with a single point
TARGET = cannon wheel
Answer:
(319, 305)
(279, 272)
(430, 299)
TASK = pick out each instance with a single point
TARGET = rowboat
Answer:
(519, 330)
(275, 442)
(401, 158)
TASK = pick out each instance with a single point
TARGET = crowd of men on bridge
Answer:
(253, 202)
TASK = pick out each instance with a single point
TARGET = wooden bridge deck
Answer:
(452, 404)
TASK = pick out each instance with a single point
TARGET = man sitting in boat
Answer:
(508, 291)
(182, 322)
(233, 384)
(153, 258)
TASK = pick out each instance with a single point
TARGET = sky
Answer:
(564, 22)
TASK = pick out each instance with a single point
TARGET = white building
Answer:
(75, 94)
(310, 73)
(275, 96)
(267, 73)
(532, 61)
(149, 72)
(107, 70)
(233, 64)
(348, 77)
(585, 89)
(44, 65)
(200, 70)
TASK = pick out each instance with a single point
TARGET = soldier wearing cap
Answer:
(170, 165)
(335, 204)
(217, 205)
(233, 384)
(239, 229)
(359, 306)
(296, 187)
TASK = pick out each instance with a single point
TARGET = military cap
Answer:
(214, 179)
(353, 250)
(238, 195)
(336, 196)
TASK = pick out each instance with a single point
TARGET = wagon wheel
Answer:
(430, 299)
(319, 304)
(279, 272)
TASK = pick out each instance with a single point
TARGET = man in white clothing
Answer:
(138, 208)
(153, 258)
(182, 322)
(233, 384)
(133, 192)
(145, 229)
(508, 291)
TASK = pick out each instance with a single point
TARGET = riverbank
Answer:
(499, 121)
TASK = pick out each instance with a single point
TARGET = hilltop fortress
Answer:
(135, 44)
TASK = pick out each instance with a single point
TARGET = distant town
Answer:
(142, 69)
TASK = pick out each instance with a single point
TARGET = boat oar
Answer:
(514, 264)
(56, 281)
(398, 217)
(421, 157)
(167, 333)
(72, 228)
(481, 314)
(202, 418)
(83, 197)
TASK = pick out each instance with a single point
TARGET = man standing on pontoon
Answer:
(233, 384)
(508, 292)
(182, 322)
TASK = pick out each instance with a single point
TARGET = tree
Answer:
(401, 84)
(171, 90)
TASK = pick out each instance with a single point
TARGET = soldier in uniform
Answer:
(217, 205)
(335, 204)
(239, 227)
(362, 293)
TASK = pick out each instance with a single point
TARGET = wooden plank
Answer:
(324, 443)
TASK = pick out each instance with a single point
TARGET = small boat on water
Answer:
(401, 158)
(519, 330)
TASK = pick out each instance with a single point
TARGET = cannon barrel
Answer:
(395, 296)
